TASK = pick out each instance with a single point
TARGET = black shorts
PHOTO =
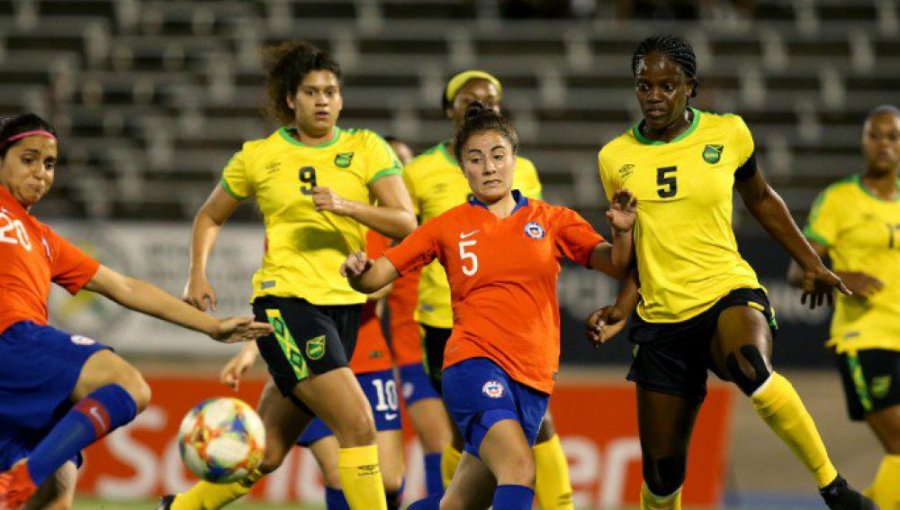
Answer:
(674, 357)
(434, 341)
(871, 379)
(308, 339)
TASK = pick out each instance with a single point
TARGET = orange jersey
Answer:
(32, 257)
(371, 353)
(503, 277)
(406, 342)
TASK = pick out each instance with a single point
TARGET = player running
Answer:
(314, 184)
(501, 251)
(437, 184)
(60, 393)
(702, 306)
(856, 222)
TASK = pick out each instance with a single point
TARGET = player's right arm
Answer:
(149, 299)
(607, 322)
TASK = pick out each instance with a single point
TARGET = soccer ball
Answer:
(222, 440)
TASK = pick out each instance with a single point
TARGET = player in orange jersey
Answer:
(59, 393)
(423, 403)
(501, 252)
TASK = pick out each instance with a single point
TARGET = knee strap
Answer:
(748, 384)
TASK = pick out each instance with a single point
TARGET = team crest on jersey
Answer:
(881, 385)
(626, 170)
(315, 347)
(493, 389)
(343, 159)
(534, 230)
(713, 153)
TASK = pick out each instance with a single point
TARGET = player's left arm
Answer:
(772, 213)
(617, 258)
(149, 299)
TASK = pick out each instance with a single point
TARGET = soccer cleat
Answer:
(840, 496)
(16, 487)
(165, 502)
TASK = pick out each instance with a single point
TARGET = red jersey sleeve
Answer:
(575, 237)
(70, 268)
(417, 250)
(376, 244)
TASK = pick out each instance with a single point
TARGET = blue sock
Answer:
(513, 497)
(434, 484)
(95, 416)
(395, 498)
(335, 500)
(432, 502)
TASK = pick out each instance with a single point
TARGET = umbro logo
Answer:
(626, 170)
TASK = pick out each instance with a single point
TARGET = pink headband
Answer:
(26, 134)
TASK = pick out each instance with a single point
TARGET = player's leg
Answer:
(886, 425)
(741, 351)
(472, 487)
(552, 487)
(58, 491)
(434, 341)
(665, 423)
(429, 419)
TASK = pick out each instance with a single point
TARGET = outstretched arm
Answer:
(862, 285)
(207, 223)
(770, 210)
(366, 275)
(616, 259)
(147, 298)
(607, 322)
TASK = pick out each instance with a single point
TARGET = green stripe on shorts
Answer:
(287, 344)
(859, 381)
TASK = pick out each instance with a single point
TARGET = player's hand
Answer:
(604, 324)
(356, 264)
(818, 286)
(622, 211)
(238, 365)
(239, 329)
(327, 200)
(862, 285)
(200, 294)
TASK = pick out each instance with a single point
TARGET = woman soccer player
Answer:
(501, 252)
(314, 184)
(59, 393)
(437, 184)
(374, 368)
(702, 306)
(856, 222)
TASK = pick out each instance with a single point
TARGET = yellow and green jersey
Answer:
(304, 247)
(862, 234)
(687, 255)
(437, 184)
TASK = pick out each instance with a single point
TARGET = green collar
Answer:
(285, 133)
(636, 130)
(857, 178)
(450, 159)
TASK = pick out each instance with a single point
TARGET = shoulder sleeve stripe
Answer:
(394, 170)
(230, 191)
(812, 235)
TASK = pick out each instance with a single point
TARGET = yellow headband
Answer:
(462, 78)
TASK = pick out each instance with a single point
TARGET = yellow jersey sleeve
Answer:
(824, 220)
(743, 140)
(526, 179)
(410, 183)
(235, 179)
(609, 186)
(380, 158)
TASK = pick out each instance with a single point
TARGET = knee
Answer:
(518, 468)
(663, 475)
(749, 370)
(331, 478)
(393, 481)
(274, 455)
(356, 431)
(131, 380)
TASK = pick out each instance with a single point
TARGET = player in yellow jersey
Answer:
(701, 305)
(314, 184)
(856, 222)
(437, 184)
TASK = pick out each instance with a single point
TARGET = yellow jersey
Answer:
(437, 184)
(304, 247)
(687, 255)
(862, 233)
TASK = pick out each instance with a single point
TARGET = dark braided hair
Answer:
(286, 64)
(18, 124)
(480, 118)
(674, 48)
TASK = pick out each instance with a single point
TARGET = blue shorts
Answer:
(478, 394)
(39, 367)
(381, 390)
(415, 384)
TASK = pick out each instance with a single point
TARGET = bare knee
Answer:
(356, 430)
(517, 468)
(663, 474)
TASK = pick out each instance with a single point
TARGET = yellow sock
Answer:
(212, 496)
(886, 489)
(361, 478)
(450, 458)
(650, 501)
(552, 486)
(778, 404)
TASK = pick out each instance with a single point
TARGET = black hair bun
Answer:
(475, 109)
